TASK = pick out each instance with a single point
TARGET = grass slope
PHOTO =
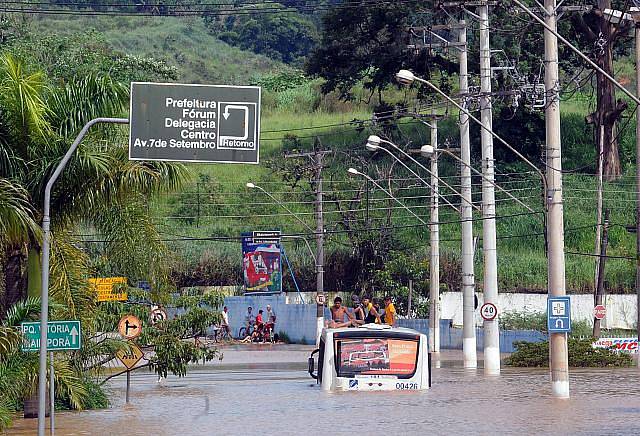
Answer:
(183, 42)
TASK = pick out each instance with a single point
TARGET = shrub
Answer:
(581, 354)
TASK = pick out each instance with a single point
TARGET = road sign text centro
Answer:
(61, 335)
(194, 123)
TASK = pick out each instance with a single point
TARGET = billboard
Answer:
(194, 123)
(627, 345)
(261, 266)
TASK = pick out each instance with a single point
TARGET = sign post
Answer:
(194, 123)
(129, 360)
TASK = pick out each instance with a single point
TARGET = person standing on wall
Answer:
(389, 311)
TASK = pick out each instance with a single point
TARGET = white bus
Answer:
(371, 357)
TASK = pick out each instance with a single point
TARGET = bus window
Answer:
(376, 356)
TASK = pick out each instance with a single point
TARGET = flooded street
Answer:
(280, 398)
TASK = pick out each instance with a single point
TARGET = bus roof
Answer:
(372, 330)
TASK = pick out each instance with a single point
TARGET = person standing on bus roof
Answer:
(389, 311)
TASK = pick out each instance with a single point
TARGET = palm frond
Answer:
(9, 339)
(22, 99)
(16, 213)
(25, 310)
(83, 99)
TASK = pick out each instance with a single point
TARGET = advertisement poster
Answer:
(261, 266)
(378, 356)
(627, 345)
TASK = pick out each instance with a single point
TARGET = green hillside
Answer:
(182, 42)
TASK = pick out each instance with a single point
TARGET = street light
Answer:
(491, 329)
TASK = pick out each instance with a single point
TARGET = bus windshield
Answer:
(376, 356)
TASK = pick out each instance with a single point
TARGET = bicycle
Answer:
(245, 331)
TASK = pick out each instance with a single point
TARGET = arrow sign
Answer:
(129, 327)
(61, 336)
(74, 335)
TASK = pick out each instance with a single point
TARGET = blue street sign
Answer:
(559, 314)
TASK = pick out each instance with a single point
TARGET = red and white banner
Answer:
(628, 345)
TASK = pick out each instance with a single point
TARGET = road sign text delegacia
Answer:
(61, 335)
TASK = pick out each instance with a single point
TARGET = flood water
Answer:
(282, 399)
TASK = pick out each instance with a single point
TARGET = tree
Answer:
(369, 45)
(603, 38)
(100, 187)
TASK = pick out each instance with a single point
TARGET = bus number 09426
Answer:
(405, 386)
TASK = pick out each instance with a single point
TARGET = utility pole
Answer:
(470, 354)
(597, 299)
(490, 282)
(635, 13)
(316, 158)
(434, 264)
(598, 210)
(320, 246)
(558, 353)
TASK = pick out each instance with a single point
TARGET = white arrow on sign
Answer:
(245, 109)
(74, 335)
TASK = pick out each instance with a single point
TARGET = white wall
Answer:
(621, 309)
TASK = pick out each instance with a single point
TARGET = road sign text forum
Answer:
(195, 122)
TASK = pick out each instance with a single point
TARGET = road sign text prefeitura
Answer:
(194, 123)
(61, 335)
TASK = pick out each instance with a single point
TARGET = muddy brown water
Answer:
(281, 399)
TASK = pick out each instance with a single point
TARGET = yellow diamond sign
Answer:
(130, 358)
(104, 287)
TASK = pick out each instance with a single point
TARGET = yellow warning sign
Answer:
(104, 286)
(130, 358)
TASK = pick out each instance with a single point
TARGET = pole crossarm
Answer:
(495, 135)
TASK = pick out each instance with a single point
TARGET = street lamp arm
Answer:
(416, 175)
(495, 135)
(306, 243)
(286, 208)
(429, 171)
(500, 188)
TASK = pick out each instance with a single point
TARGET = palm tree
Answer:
(100, 188)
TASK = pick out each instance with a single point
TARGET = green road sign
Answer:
(61, 336)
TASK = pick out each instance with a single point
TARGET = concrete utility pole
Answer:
(468, 275)
(635, 12)
(490, 282)
(434, 264)
(558, 353)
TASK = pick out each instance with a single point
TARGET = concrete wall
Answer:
(298, 321)
(451, 337)
(621, 309)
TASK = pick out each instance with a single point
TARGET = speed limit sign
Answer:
(320, 299)
(488, 311)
